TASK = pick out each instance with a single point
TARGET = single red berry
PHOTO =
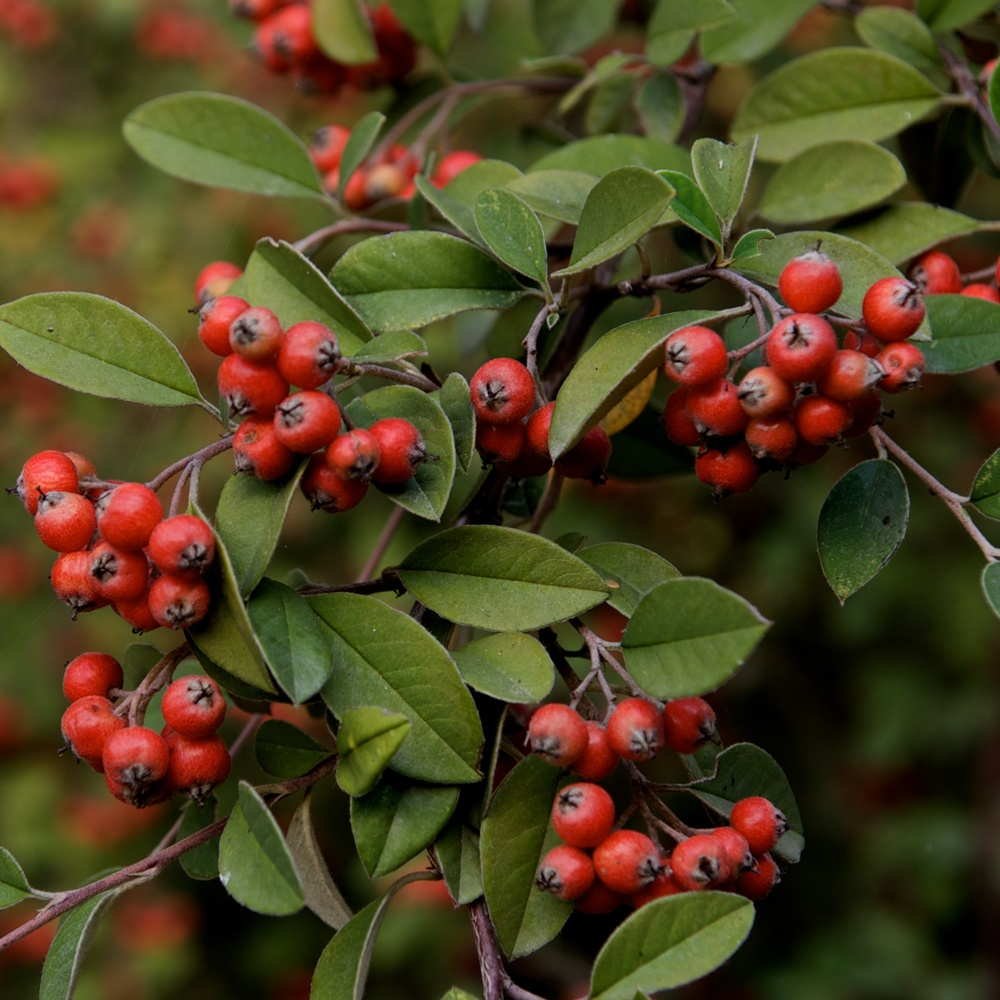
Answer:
(306, 421)
(536, 433)
(384, 180)
(500, 442)
(810, 283)
(121, 575)
(588, 458)
(598, 760)
(764, 393)
(773, 439)
(85, 468)
(292, 33)
(196, 766)
(736, 855)
(936, 273)
(215, 279)
(46, 472)
(695, 355)
(91, 674)
(355, 195)
(661, 886)
(863, 341)
(65, 521)
(127, 515)
(892, 309)
(401, 449)
(635, 729)
(866, 411)
(557, 733)
(308, 355)
(354, 454)
(583, 814)
(327, 490)
(977, 290)
(760, 821)
(256, 334)
(177, 602)
(627, 861)
(87, 725)
(214, 320)
(137, 759)
(903, 364)
(249, 388)
(688, 724)
(727, 470)
(715, 408)
(698, 863)
(677, 424)
(257, 450)
(821, 421)
(194, 707)
(182, 545)
(73, 584)
(327, 147)
(757, 883)
(502, 391)
(850, 375)
(452, 164)
(599, 899)
(566, 872)
(136, 612)
(801, 347)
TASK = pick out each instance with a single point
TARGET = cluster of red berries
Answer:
(811, 393)
(29, 24)
(389, 176)
(600, 866)
(26, 183)
(512, 432)
(115, 546)
(261, 361)
(141, 766)
(285, 42)
(937, 273)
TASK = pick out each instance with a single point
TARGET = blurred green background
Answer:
(885, 713)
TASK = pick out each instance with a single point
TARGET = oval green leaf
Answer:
(557, 194)
(722, 171)
(902, 34)
(62, 961)
(512, 231)
(457, 852)
(965, 333)
(320, 891)
(691, 206)
(13, 882)
(453, 397)
(366, 742)
(986, 487)
(286, 751)
(903, 230)
(343, 31)
(630, 572)
(991, 586)
(660, 107)
(943, 15)
(759, 25)
(359, 145)
(509, 666)
(456, 202)
(675, 23)
(434, 24)
(601, 154)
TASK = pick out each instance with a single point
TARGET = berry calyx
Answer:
(688, 723)
(598, 759)
(810, 283)
(65, 521)
(698, 862)
(354, 454)
(91, 674)
(583, 814)
(327, 490)
(178, 602)
(903, 364)
(502, 391)
(87, 724)
(402, 450)
(309, 354)
(121, 575)
(250, 388)
(715, 408)
(135, 760)
(695, 355)
(257, 450)
(194, 707)
(557, 734)
(214, 319)
(627, 861)
(850, 375)
(892, 309)
(801, 347)
(760, 821)
(306, 421)
(764, 393)
(256, 334)
(727, 470)
(936, 273)
(127, 515)
(661, 886)
(182, 545)
(635, 729)
(566, 872)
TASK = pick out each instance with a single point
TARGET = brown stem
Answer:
(317, 240)
(351, 368)
(202, 456)
(548, 502)
(969, 88)
(394, 520)
(530, 343)
(490, 963)
(134, 703)
(380, 585)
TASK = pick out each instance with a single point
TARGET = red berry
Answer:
(354, 454)
(502, 391)
(136, 612)
(136, 759)
(401, 448)
(384, 180)
(127, 515)
(773, 439)
(893, 309)
(46, 472)
(250, 388)
(763, 393)
(308, 355)
(635, 729)
(759, 821)
(292, 33)
(65, 521)
(801, 347)
(327, 490)
(255, 10)
(736, 855)
(598, 760)
(355, 197)
(583, 814)
(677, 425)
(73, 584)
(695, 355)
(729, 470)
(194, 707)
(453, 164)
(588, 458)
(821, 421)
(327, 147)
(256, 334)
(863, 341)
(87, 725)
(936, 273)
(810, 283)
(257, 450)
(177, 602)
(757, 883)
(500, 442)
(599, 899)
(661, 886)
(536, 434)
(850, 375)
(627, 861)
(196, 766)
(182, 545)
(85, 468)
(715, 408)
(91, 674)
(903, 364)
(698, 862)
(557, 733)
(977, 290)
(306, 421)
(215, 279)
(121, 575)
(214, 319)
(688, 723)
(566, 872)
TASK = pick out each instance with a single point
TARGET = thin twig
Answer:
(548, 502)
(380, 585)
(419, 381)
(530, 343)
(202, 455)
(970, 90)
(317, 240)
(392, 523)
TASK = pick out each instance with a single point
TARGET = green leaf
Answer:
(222, 141)
(609, 104)
(558, 194)
(13, 882)
(674, 24)
(633, 570)
(601, 154)
(608, 371)
(840, 93)
(411, 279)
(986, 487)
(95, 345)
(743, 770)
(456, 994)
(391, 824)
(512, 231)
(965, 331)
(515, 835)
(293, 639)
(993, 93)
(723, 172)
(905, 36)
(509, 666)
(759, 25)
(688, 635)
(606, 68)
(392, 346)
(434, 24)
(862, 523)
(62, 962)
(453, 397)
(499, 578)
(286, 751)
(320, 891)
(903, 230)
(748, 245)
(366, 741)
(944, 15)
(359, 145)
(343, 32)
(670, 942)
(991, 586)
(427, 492)
(384, 657)
(623, 206)
(691, 206)
(255, 865)
(457, 201)
(660, 107)
(567, 26)
(457, 852)
(201, 862)
(833, 179)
